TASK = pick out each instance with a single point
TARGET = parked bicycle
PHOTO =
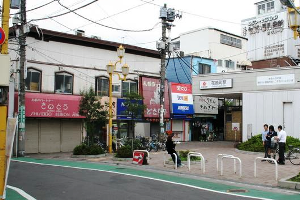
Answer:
(293, 155)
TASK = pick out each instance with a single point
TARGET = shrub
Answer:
(255, 144)
(184, 154)
(124, 152)
(296, 178)
(137, 144)
(83, 149)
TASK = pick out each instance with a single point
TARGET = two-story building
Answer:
(61, 65)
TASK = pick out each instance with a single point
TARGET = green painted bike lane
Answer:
(155, 175)
(13, 195)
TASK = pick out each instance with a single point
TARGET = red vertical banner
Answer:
(150, 90)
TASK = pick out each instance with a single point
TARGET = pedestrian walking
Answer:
(171, 150)
(264, 140)
(281, 140)
(270, 140)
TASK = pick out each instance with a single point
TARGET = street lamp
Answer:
(111, 70)
(294, 16)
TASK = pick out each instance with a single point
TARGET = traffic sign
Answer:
(2, 36)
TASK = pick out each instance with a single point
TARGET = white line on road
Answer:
(21, 192)
(144, 177)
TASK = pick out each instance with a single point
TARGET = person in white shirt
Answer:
(281, 140)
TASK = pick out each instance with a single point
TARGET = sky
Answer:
(140, 15)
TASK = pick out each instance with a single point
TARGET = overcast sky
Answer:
(223, 14)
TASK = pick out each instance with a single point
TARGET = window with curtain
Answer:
(63, 83)
(204, 68)
(33, 80)
(102, 86)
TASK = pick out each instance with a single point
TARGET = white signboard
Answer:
(235, 126)
(205, 105)
(276, 80)
(216, 84)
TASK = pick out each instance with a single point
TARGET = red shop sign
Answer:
(52, 105)
(150, 90)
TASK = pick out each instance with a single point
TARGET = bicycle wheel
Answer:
(295, 157)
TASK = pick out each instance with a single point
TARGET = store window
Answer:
(63, 83)
(33, 80)
(204, 68)
(102, 86)
(129, 87)
(116, 88)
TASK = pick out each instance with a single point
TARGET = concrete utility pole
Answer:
(167, 16)
(163, 16)
(22, 42)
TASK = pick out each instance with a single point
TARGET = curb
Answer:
(284, 183)
(88, 156)
(248, 152)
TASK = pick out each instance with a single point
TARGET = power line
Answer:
(35, 8)
(175, 69)
(189, 78)
(63, 13)
(210, 18)
(110, 27)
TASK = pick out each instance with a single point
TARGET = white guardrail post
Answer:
(234, 158)
(148, 154)
(271, 159)
(166, 153)
(196, 154)
(219, 155)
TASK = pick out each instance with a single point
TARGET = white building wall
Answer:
(266, 107)
(91, 63)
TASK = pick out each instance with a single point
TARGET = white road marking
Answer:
(21, 192)
(144, 177)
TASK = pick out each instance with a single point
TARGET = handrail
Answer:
(175, 167)
(271, 159)
(148, 154)
(196, 154)
(234, 158)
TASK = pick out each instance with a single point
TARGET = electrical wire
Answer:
(189, 78)
(175, 69)
(110, 27)
(53, 16)
(35, 8)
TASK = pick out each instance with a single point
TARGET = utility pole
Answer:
(163, 16)
(22, 42)
(167, 16)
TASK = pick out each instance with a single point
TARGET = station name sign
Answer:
(216, 84)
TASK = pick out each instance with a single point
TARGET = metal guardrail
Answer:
(148, 154)
(234, 158)
(271, 159)
(219, 155)
(175, 167)
(196, 154)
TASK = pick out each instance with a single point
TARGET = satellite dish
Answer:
(288, 3)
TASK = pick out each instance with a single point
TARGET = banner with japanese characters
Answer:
(52, 105)
(151, 93)
(182, 99)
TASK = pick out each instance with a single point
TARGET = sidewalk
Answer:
(210, 150)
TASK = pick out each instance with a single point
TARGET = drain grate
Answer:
(238, 190)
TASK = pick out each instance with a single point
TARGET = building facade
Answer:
(270, 40)
(226, 49)
(60, 66)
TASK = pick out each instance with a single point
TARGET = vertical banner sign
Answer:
(151, 92)
(182, 99)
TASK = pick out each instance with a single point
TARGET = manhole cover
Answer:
(237, 190)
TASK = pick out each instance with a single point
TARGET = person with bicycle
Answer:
(271, 144)
(281, 140)
(171, 149)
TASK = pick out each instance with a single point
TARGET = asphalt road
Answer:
(48, 182)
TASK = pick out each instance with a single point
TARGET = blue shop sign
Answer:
(183, 109)
(122, 112)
